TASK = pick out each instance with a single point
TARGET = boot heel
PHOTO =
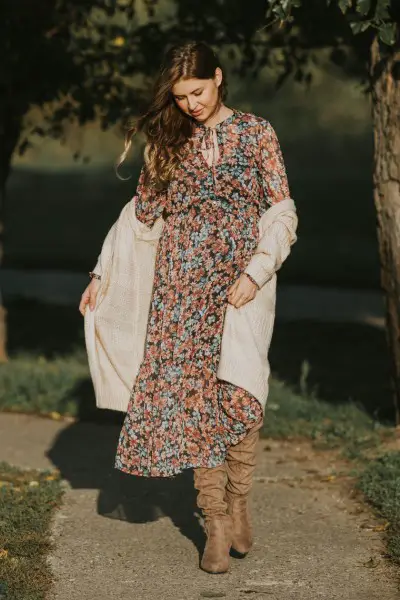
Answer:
(236, 554)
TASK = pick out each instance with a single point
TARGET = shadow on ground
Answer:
(84, 454)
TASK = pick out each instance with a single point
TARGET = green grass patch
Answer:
(346, 425)
(37, 384)
(380, 483)
(28, 499)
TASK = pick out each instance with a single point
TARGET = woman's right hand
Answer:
(89, 296)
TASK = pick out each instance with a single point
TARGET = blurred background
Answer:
(76, 75)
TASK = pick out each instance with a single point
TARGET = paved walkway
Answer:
(119, 536)
(294, 301)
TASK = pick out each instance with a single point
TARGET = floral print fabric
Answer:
(180, 414)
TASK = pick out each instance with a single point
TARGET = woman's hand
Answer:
(89, 296)
(242, 291)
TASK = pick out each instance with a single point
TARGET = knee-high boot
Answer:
(240, 464)
(210, 484)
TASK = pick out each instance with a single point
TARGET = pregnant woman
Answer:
(214, 178)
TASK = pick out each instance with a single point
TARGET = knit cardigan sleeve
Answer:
(106, 251)
(273, 247)
(279, 233)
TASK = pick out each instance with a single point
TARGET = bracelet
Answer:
(252, 280)
(94, 275)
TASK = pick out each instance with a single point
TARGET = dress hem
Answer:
(142, 473)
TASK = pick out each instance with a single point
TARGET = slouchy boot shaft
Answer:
(210, 484)
(240, 464)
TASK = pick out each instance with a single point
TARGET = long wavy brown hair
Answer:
(165, 126)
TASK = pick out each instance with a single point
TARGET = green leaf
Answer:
(359, 26)
(281, 8)
(344, 5)
(382, 9)
(280, 13)
(363, 6)
(387, 33)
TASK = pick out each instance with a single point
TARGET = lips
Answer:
(197, 113)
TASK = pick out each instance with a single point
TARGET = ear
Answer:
(218, 76)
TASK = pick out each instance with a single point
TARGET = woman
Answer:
(210, 174)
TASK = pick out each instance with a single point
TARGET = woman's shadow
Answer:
(84, 454)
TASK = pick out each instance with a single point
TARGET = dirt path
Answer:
(118, 536)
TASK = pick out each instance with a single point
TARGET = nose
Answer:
(191, 104)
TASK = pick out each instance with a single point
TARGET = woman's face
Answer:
(197, 97)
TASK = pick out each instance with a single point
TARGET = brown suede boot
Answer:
(240, 463)
(217, 524)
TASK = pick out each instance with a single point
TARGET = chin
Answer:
(203, 116)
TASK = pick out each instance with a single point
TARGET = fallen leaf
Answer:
(329, 478)
(371, 563)
(3, 553)
(55, 416)
(366, 525)
(382, 527)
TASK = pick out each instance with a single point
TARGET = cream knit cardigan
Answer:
(115, 331)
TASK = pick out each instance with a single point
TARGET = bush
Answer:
(36, 384)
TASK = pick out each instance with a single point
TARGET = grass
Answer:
(345, 426)
(28, 499)
(41, 385)
(380, 482)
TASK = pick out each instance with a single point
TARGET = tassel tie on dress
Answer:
(209, 146)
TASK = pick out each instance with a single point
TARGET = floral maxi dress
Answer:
(180, 415)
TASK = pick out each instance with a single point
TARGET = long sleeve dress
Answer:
(180, 415)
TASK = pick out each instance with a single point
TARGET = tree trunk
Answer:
(385, 76)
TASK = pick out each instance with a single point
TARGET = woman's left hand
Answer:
(242, 291)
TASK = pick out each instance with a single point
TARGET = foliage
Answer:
(361, 15)
(39, 385)
(348, 27)
(380, 482)
(87, 60)
(28, 499)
